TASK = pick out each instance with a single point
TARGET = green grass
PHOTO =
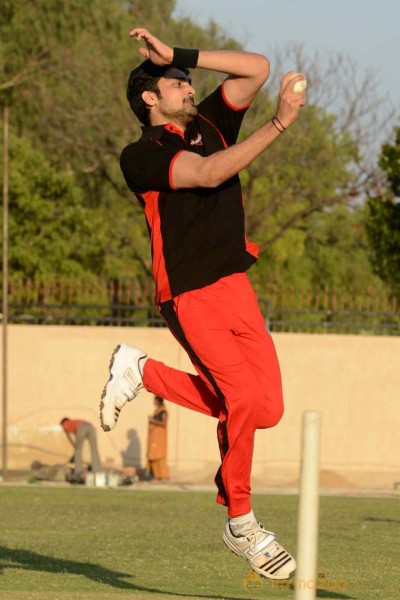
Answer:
(78, 543)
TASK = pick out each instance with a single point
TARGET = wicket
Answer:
(307, 529)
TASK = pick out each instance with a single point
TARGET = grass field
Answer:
(79, 543)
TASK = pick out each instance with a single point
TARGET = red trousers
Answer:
(238, 382)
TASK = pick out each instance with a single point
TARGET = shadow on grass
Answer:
(381, 520)
(12, 558)
(321, 591)
(328, 594)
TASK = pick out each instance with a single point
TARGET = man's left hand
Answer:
(159, 53)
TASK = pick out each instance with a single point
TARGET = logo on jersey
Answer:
(197, 142)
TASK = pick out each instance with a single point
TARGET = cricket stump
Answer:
(307, 527)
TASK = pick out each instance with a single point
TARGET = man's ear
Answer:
(149, 98)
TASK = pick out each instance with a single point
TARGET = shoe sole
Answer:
(103, 426)
(233, 549)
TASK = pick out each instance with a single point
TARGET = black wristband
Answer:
(185, 58)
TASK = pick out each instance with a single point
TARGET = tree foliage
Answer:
(389, 162)
(305, 170)
(63, 71)
(383, 220)
(328, 250)
(50, 230)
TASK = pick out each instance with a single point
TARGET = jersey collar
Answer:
(156, 131)
(152, 132)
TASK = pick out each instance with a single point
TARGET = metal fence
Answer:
(127, 303)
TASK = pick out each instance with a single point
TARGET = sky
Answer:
(366, 30)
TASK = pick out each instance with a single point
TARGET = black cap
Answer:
(147, 69)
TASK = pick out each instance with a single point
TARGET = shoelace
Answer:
(252, 538)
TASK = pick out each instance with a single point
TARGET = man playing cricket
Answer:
(184, 172)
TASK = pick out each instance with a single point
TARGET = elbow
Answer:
(264, 68)
(209, 179)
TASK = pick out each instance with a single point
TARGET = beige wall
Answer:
(354, 381)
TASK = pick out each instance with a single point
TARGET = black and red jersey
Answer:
(197, 235)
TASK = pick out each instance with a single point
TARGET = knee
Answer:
(276, 416)
(270, 414)
(255, 409)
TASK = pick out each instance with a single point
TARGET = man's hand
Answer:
(159, 53)
(289, 103)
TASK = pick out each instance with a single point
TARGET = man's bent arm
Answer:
(193, 171)
(190, 170)
(247, 71)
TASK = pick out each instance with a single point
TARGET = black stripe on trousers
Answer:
(167, 310)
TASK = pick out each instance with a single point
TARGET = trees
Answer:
(336, 247)
(63, 69)
(306, 169)
(327, 159)
(383, 219)
(51, 232)
(328, 250)
(67, 67)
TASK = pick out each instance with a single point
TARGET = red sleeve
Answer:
(171, 166)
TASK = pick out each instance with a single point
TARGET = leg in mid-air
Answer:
(241, 387)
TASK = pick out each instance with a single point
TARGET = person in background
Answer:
(157, 441)
(77, 431)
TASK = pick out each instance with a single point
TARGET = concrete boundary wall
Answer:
(354, 381)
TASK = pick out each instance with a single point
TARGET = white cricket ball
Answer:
(299, 86)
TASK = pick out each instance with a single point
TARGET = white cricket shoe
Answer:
(258, 546)
(124, 383)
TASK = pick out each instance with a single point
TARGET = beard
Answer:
(184, 115)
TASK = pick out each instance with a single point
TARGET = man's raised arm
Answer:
(247, 71)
